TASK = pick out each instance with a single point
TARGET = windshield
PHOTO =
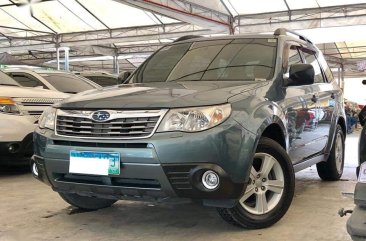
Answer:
(7, 80)
(103, 80)
(67, 83)
(230, 59)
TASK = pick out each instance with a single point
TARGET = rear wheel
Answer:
(269, 191)
(332, 169)
(86, 203)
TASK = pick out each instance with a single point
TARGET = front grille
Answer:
(122, 124)
(34, 106)
(35, 112)
(37, 101)
(108, 181)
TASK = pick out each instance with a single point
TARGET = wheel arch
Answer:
(342, 122)
(272, 128)
(275, 130)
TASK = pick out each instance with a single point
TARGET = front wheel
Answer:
(332, 169)
(269, 191)
(86, 203)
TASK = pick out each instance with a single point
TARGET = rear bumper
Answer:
(17, 152)
(168, 165)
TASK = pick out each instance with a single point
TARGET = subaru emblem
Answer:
(101, 115)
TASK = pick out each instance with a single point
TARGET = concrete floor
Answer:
(30, 210)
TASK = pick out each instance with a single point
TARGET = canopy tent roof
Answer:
(133, 29)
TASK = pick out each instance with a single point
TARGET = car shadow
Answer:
(14, 170)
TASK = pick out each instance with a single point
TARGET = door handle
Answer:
(332, 96)
(314, 99)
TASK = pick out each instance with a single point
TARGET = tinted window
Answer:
(311, 59)
(103, 80)
(238, 59)
(27, 80)
(6, 80)
(324, 64)
(293, 57)
(67, 83)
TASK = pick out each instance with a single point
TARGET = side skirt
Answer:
(309, 162)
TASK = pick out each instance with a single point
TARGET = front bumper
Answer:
(164, 166)
(17, 152)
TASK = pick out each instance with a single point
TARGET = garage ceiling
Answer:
(96, 30)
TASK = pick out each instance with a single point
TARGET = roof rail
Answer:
(187, 37)
(283, 31)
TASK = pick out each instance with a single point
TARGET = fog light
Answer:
(35, 169)
(210, 180)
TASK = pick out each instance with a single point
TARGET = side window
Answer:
(27, 80)
(293, 57)
(324, 64)
(311, 59)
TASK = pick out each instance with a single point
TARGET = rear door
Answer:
(322, 115)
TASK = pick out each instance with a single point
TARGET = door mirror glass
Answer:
(123, 76)
(301, 74)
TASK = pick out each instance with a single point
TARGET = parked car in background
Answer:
(103, 78)
(51, 79)
(218, 120)
(100, 77)
(20, 108)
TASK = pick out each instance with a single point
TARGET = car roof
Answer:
(39, 71)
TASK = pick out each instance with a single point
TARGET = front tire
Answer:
(269, 191)
(86, 203)
(332, 169)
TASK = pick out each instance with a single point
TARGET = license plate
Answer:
(95, 163)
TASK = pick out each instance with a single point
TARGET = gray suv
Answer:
(225, 121)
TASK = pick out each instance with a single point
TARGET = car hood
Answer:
(25, 92)
(159, 95)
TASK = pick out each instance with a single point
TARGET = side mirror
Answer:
(123, 76)
(364, 82)
(301, 74)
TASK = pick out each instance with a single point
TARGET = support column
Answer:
(342, 78)
(67, 65)
(58, 57)
(115, 62)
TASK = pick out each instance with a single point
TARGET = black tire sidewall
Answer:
(250, 220)
(328, 170)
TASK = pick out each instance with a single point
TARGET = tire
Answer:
(272, 170)
(332, 169)
(86, 203)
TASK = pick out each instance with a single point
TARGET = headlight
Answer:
(194, 119)
(8, 106)
(47, 119)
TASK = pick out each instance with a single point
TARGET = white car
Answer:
(62, 81)
(20, 109)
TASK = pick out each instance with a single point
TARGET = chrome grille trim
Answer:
(127, 124)
(36, 101)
